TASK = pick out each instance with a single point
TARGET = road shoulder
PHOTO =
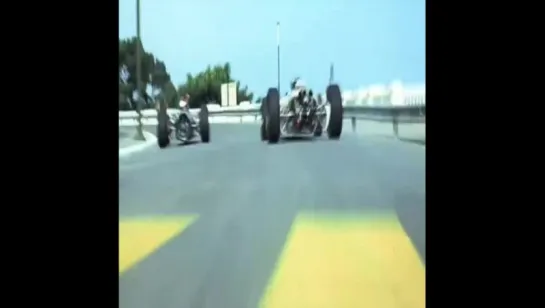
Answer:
(140, 146)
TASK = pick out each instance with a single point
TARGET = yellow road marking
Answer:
(138, 238)
(352, 263)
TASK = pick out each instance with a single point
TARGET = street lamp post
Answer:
(139, 132)
(331, 73)
(278, 53)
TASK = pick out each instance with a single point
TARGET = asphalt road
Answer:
(239, 223)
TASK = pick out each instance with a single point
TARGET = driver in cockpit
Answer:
(297, 86)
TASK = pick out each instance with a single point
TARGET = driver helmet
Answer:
(184, 100)
(292, 84)
(298, 84)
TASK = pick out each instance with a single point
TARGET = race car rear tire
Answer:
(163, 138)
(263, 132)
(335, 126)
(204, 124)
(272, 118)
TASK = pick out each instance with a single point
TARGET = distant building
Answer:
(378, 95)
(229, 94)
(396, 93)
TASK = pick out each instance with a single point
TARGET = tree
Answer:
(172, 97)
(125, 96)
(127, 57)
(128, 49)
(128, 62)
(160, 80)
(206, 86)
(154, 73)
(159, 76)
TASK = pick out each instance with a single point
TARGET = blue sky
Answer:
(369, 41)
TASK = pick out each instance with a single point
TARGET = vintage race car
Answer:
(183, 126)
(300, 114)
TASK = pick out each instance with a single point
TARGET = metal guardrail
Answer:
(410, 113)
(393, 114)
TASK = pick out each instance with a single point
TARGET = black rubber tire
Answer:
(273, 115)
(163, 138)
(335, 125)
(318, 131)
(204, 124)
(263, 130)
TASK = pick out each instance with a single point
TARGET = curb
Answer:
(150, 141)
(413, 141)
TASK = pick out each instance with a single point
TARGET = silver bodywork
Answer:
(285, 126)
(195, 126)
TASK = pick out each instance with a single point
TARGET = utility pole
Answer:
(278, 53)
(139, 132)
(331, 73)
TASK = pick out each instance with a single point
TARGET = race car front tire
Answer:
(163, 133)
(272, 119)
(335, 126)
(204, 124)
(263, 131)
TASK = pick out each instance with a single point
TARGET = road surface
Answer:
(239, 223)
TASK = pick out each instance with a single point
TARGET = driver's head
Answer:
(299, 84)
(293, 83)
(186, 97)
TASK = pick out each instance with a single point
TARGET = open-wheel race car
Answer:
(300, 114)
(184, 127)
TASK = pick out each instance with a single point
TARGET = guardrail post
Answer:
(395, 122)
(353, 124)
